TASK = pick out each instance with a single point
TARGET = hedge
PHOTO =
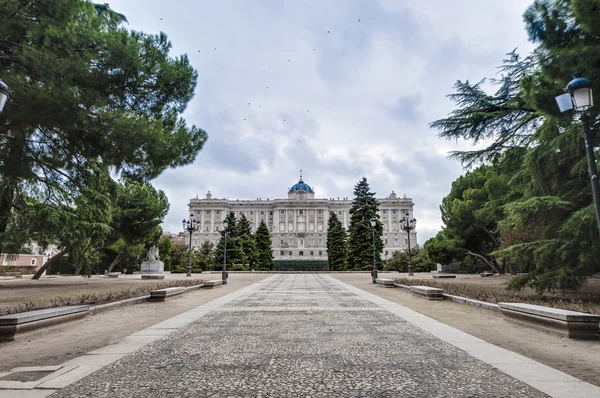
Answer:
(301, 265)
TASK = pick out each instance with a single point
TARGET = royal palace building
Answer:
(298, 224)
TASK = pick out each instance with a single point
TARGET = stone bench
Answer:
(113, 274)
(213, 283)
(443, 276)
(430, 293)
(162, 294)
(11, 325)
(484, 274)
(572, 324)
(385, 282)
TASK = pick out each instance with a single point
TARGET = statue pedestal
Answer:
(153, 269)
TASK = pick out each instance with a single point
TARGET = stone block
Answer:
(162, 294)
(385, 282)
(113, 275)
(430, 293)
(153, 267)
(572, 324)
(11, 325)
(442, 276)
(153, 276)
(454, 267)
(484, 274)
(213, 283)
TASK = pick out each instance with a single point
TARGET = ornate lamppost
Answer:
(373, 224)
(224, 272)
(579, 97)
(407, 226)
(190, 226)
(4, 94)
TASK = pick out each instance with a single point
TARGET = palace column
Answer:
(295, 220)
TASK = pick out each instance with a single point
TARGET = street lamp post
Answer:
(4, 94)
(224, 272)
(190, 226)
(408, 225)
(579, 97)
(373, 224)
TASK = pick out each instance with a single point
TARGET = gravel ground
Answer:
(578, 358)
(296, 336)
(59, 343)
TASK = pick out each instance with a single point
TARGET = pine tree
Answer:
(264, 251)
(360, 241)
(246, 241)
(337, 251)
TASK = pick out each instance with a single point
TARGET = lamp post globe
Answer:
(190, 226)
(581, 93)
(374, 274)
(408, 225)
(224, 271)
(4, 94)
(579, 96)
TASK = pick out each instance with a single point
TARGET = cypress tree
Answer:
(264, 251)
(360, 241)
(246, 241)
(235, 255)
(337, 253)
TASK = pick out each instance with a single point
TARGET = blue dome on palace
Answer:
(301, 185)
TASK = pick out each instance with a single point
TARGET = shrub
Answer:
(301, 265)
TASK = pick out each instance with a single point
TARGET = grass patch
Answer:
(95, 297)
(485, 293)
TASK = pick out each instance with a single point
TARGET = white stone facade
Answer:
(298, 224)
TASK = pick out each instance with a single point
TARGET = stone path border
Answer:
(77, 368)
(541, 377)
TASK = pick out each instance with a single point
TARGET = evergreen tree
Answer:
(360, 242)
(264, 250)
(546, 225)
(235, 254)
(85, 89)
(246, 242)
(337, 251)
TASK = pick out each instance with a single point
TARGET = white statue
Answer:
(153, 254)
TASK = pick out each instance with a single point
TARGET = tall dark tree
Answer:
(86, 90)
(235, 254)
(137, 215)
(165, 248)
(79, 229)
(246, 242)
(360, 242)
(337, 251)
(264, 250)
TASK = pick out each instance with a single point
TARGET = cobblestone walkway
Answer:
(299, 336)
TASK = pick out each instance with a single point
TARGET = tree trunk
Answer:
(491, 263)
(53, 260)
(8, 185)
(116, 261)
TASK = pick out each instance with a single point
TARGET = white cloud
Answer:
(356, 101)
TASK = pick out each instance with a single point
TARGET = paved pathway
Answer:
(312, 335)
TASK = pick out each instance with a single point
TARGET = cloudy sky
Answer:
(339, 88)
